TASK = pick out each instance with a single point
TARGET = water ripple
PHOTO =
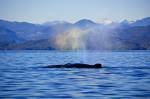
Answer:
(124, 75)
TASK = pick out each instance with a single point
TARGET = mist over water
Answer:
(71, 39)
(86, 38)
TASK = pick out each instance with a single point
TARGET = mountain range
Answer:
(81, 35)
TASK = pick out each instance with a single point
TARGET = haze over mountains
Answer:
(82, 35)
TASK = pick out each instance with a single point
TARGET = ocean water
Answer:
(125, 74)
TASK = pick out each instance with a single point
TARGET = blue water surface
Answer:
(125, 74)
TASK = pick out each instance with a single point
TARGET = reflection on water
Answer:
(125, 74)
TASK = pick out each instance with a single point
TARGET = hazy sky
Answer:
(39, 11)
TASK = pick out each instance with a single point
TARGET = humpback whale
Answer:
(75, 65)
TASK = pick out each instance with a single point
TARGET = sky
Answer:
(39, 11)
